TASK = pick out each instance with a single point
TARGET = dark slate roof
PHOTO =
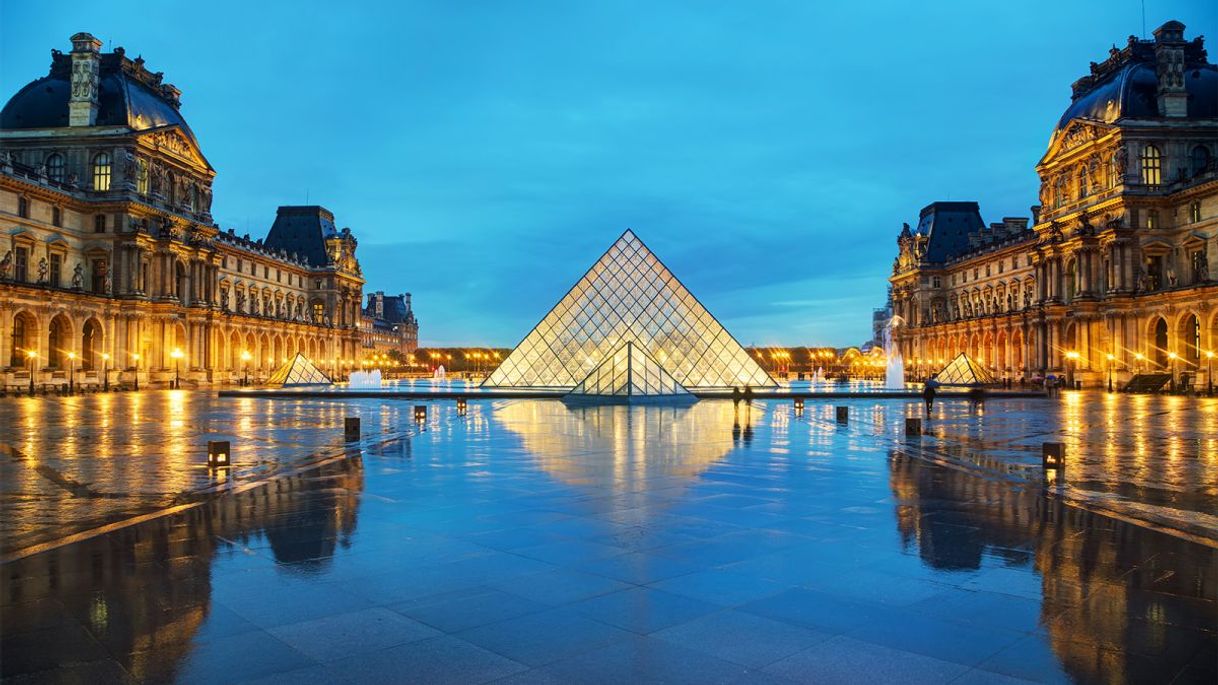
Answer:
(948, 224)
(128, 96)
(1125, 86)
(393, 308)
(303, 230)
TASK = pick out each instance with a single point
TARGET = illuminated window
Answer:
(1194, 212)
(1152, 165)
(1200, 159)
(319, 312)
(101, 172)
(55, 167)
(1152, 218)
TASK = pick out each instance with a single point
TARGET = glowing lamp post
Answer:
(1111, 359)
(420, 413)
(31, 355)
(1137, 358)
(1209, 372)
(245, 358)
(177, 355)
(71, 372)
(135, 357)
(1072, 358)
(1171, 367)
(105, 372)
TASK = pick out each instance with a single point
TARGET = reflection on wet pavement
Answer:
(530, 542)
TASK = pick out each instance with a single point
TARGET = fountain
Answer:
(364, 379)
(819, 376)
(894, 374)
(440, 375)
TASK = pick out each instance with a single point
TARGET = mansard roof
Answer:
(302, 229)
(947, 226)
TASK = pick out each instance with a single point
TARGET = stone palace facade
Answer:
(110, 262)
(1117, 272)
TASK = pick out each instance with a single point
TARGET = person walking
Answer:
(735, 396)
(928, 394)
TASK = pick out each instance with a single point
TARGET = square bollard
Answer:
(420, 412)
(351, 429)
(462, 406)
(219, 454)
(913, 427)
(1053, 456)
(843, 414)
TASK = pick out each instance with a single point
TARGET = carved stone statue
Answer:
(78, 277)
(1120, 162)
(1171, 274)
(6, 264)
(107, 281)
(42, 271)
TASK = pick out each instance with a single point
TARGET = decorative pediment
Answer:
(171, 142)
(1077, 133)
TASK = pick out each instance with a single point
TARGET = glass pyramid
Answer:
(626, 374)
(628, 296)
(963, 370)
(298, 371)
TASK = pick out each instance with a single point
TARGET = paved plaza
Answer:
(531, 542)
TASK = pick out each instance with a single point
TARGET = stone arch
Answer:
(92, 344)
(24, 338)
(265, 351)
(1189, 338)
(59, 341)
(1157, 341)
(1000, 351)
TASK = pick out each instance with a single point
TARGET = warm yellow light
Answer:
(71, 355)
(135, 356)
(176, 354)
(1172, 355)
(1209, 354)
(246, 356)
(31, 354)
(105, 356)
(1110, 357)
(1072, 355)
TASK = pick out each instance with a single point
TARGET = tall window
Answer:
(1082, 182)
(99, 223)
(56, 216)
(21, 264)
(141, 176)
(1194, 212)
(1200, 158)
(101, 171)
(319, 312)
(17, 355)
(56, 269)
(1152, 218)
(99, 276)
(23, 207)
(55, 167)
(1152, 166)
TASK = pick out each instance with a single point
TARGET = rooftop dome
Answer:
(128, 95)
(1125, 86)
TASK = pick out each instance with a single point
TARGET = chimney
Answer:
(82, 105)
(1169, 67)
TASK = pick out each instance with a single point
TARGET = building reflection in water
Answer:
(1107, 588)
(145, 591)
(645, 442)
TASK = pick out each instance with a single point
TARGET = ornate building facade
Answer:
(1116, 273)
(110, 263)
(388, 324)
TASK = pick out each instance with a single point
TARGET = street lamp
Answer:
(1209, 373)
(176, 354)
(31, 355)
(105, 372)
(135, 357)
(246, 357)
(1138, 357)
(71, 372)
(1171, 368)
(1111, 359)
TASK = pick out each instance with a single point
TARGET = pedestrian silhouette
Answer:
(928, 394)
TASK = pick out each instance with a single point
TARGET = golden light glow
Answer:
(1072, 355)
(105, 356)
(30, 354)
(1172, 355)
(246, 356)
(71, 355)
(177, 353)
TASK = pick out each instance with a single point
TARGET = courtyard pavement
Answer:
(530, 542)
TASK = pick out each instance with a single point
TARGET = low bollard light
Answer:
(351, 429)
(913, 427)
(420, 412)
(219, 454)
(799, 406)
(843, 414)
(461, 407)
(1053, 461)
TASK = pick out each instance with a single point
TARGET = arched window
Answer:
(1152, 166)
(1200, 159)
(101, 171)
(20, 341)
(55, 167)
(141, 176)
(1082, 182)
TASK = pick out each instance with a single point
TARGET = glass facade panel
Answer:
(629, 297)
(298, 371)
(963, 370)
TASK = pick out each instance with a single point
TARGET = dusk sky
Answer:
(486, 153)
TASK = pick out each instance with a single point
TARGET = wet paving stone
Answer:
(526, 542)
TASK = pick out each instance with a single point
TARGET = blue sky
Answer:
(485, 153)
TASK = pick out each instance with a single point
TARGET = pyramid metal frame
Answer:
(629, 374)
(964, 371)
(298, 371)
(628, 295)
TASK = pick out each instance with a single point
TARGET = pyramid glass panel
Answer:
(630, 372)
(298, 371)
(629, 296)
(963, 370)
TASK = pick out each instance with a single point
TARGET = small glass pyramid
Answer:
(963, 370)
(628, 296)
(298, 371)
(629, 373)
